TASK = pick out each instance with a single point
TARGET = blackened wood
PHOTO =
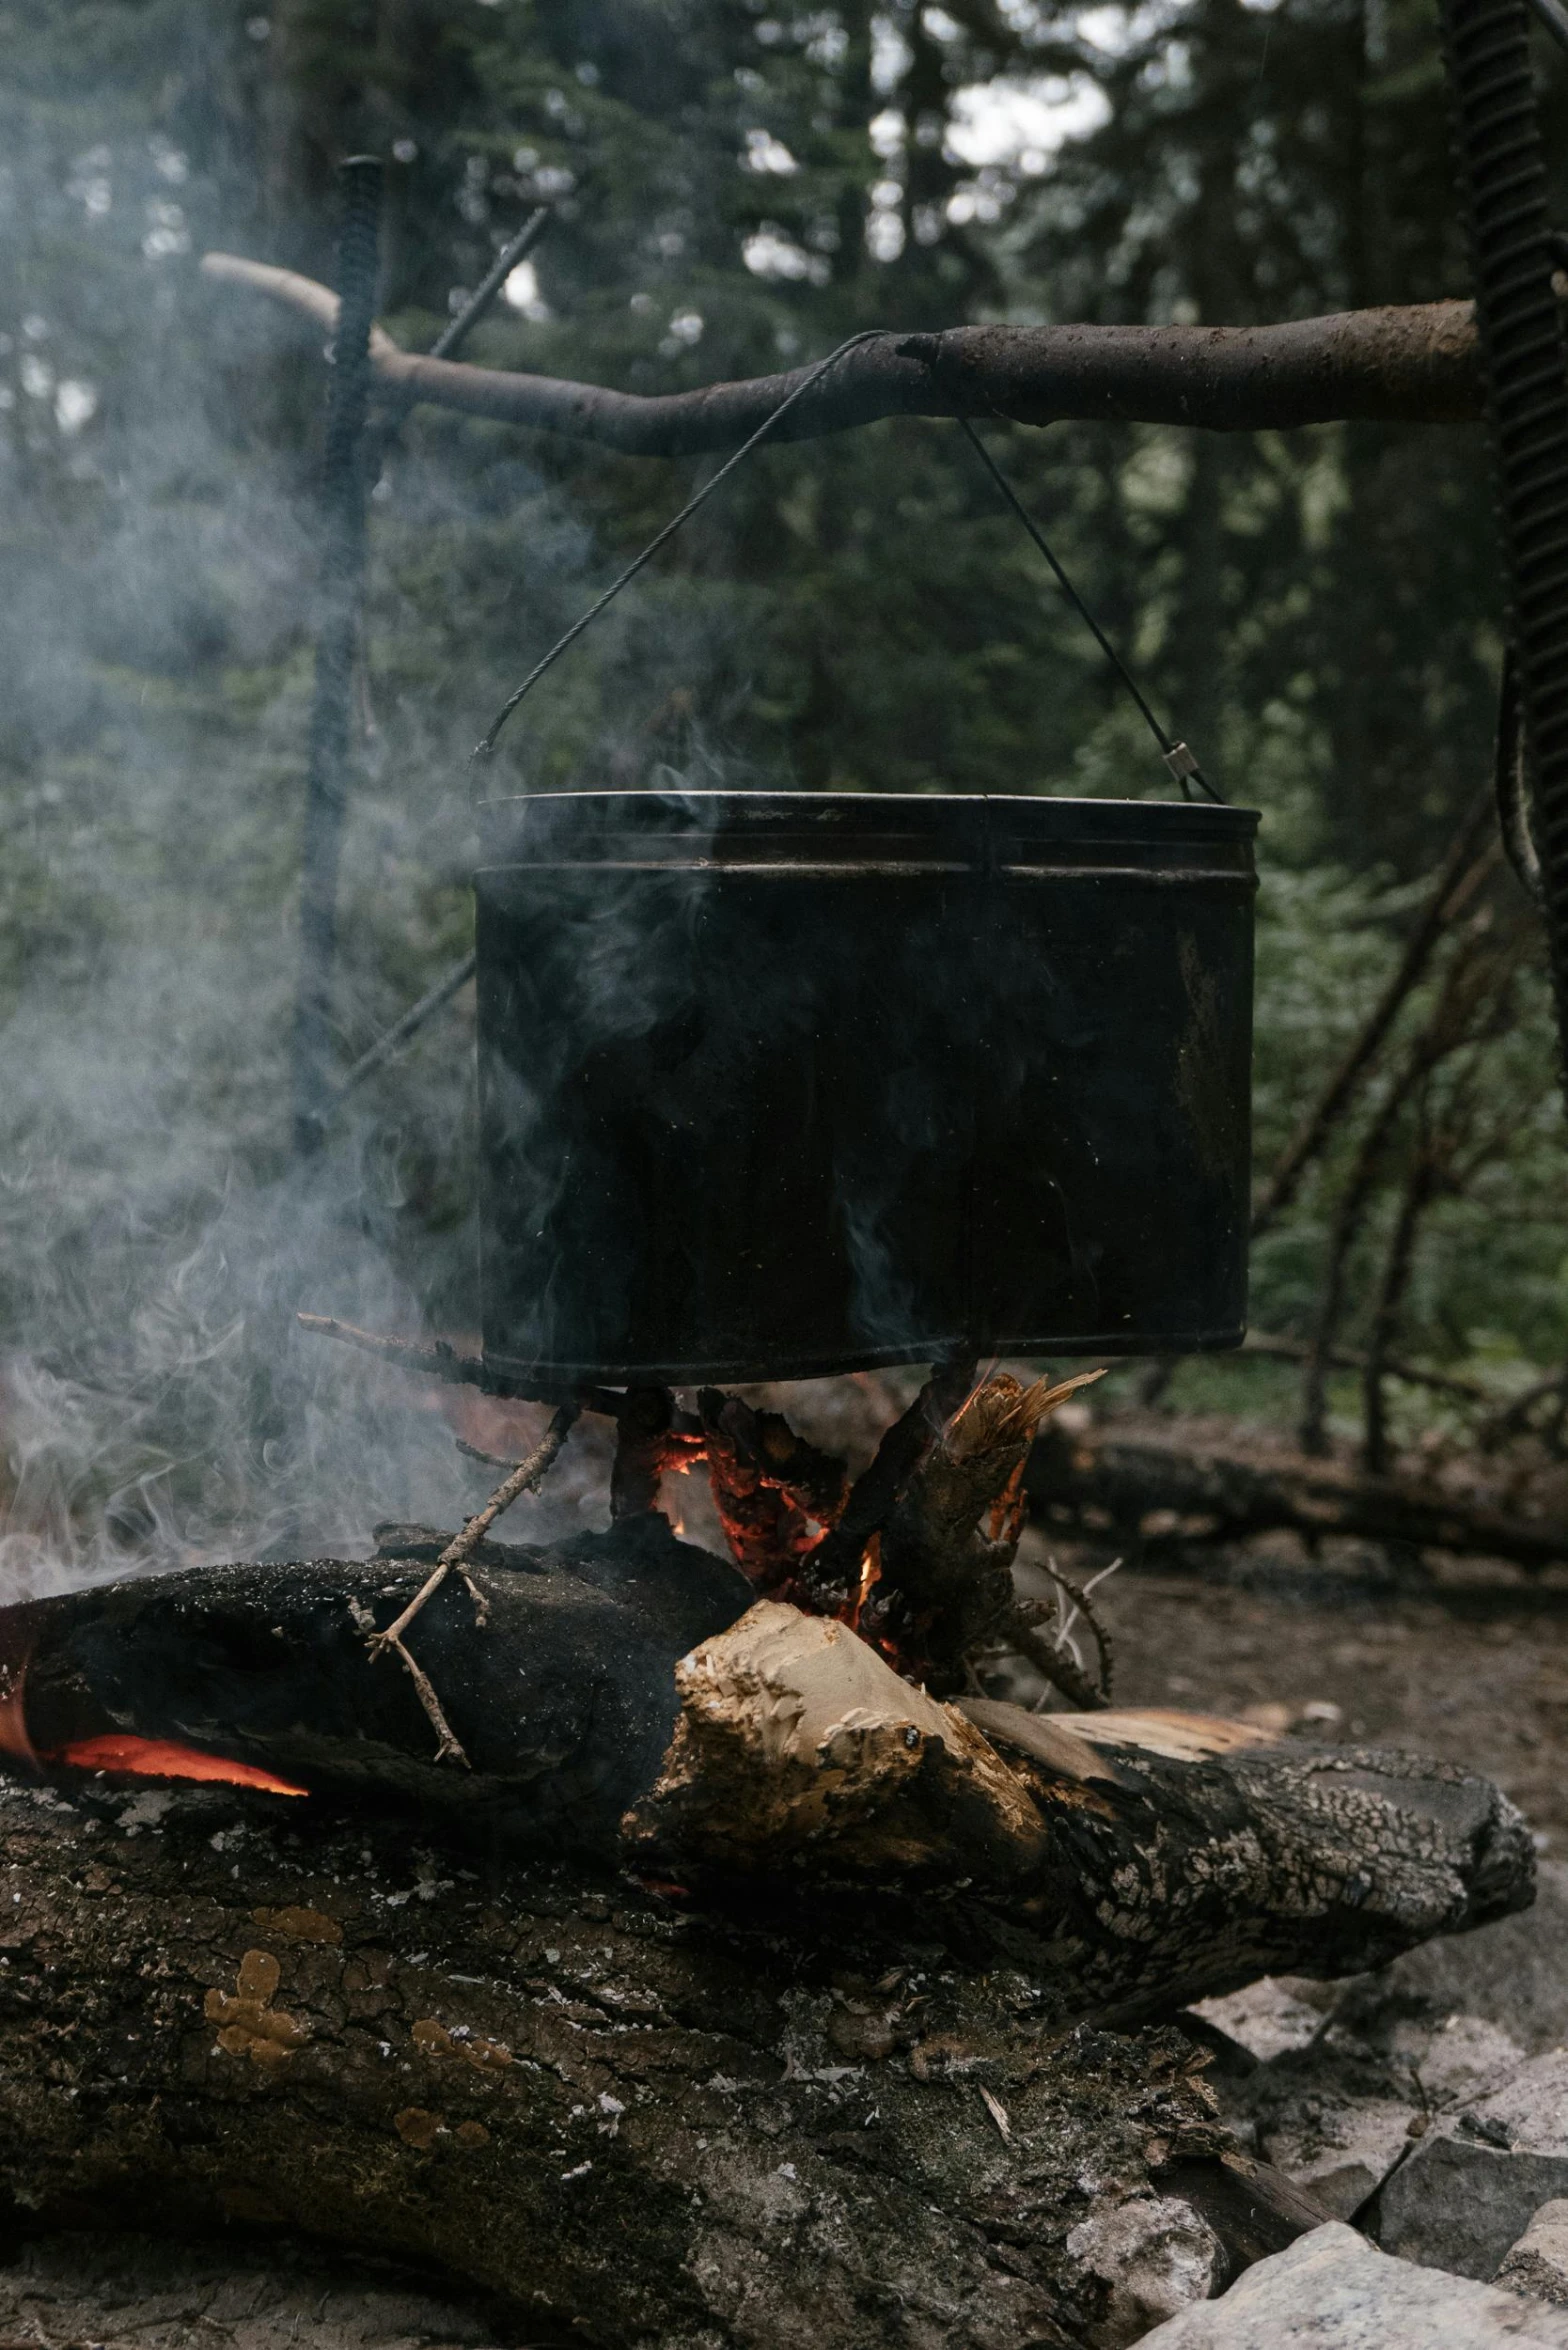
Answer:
(564, 1702)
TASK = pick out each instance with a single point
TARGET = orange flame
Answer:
(163, 1758)
(870, 1576)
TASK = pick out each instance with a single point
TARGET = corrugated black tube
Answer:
(1502, 178)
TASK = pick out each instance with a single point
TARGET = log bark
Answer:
(1414, 365)
(1158, 1498)
(651, 1715)
(640, 2123)
(750, 2064)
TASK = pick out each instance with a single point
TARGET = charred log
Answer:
(636, 2120)
(564, 1700)
(1140, 1858)
(618, 1702)
(1159, 1498)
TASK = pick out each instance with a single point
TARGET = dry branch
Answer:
(1414, 365)
(437, 1358)
(1461, 874)
(1155, 1496)
(524, 1478)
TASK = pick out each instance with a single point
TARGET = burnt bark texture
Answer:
(621, 1699)
(1419, 364)
(640, 2123)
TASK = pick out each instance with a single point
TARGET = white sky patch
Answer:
(768, 252)
(891, 55)
(1023, 122)
(75, 403)
(766, 153)
(521, 292)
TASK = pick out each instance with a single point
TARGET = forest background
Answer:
(733, 190)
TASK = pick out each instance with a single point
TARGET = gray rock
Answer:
(1478, 2176)
(1538, 2263)
(1331, 2291)
(1514, 1973)
(1345, 2153)
(1155, 2253)
(1266, 2018)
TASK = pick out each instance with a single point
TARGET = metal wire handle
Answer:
(1178, 758)
(487, 742)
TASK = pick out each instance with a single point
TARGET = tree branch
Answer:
(1412, 365)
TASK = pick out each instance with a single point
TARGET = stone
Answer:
(1344, 2155)
(1514, 1973)
(1267, 2018)
(1476, 2179)
(1538, 2263)
(1466, 2058)
(1331, 2290)
(1155, 2253)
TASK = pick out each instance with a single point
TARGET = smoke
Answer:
(158, 1406)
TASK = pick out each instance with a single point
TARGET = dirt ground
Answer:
(1477, 1674)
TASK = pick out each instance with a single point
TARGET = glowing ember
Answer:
(870, 1576)
(163, 1758)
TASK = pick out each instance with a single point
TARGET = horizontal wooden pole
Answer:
(1418, 364)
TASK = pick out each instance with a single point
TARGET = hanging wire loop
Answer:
(486, 745)
(1181, 762)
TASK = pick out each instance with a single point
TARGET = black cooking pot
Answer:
(775, 1084)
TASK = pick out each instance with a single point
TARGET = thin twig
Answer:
(437, 1359)
(393, 1039)
(1459, 877)
(1270, 1349)
(461, 1548)
(1079, 1595)
(453, 336)
(449, 1744)
(1449, 1026)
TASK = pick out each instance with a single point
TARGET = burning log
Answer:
(1159, 1497)
(687, 2027)
(626, 1700)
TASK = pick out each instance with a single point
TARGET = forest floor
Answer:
(1476, 1673)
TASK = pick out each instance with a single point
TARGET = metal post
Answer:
(342, 585)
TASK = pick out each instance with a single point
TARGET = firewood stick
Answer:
(439, 1359)
(1023, 1630)
(461, 1548)
(1414, 364)
(449, 1746)
(879, 1488)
